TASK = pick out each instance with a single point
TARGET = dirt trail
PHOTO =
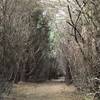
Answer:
(44, 91)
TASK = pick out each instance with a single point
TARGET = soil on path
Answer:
(44, 91)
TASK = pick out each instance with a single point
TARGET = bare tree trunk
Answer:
(23, 74)
(68, 76)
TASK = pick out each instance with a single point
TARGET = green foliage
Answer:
(37, 46)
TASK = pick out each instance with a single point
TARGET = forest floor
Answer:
(45, 91)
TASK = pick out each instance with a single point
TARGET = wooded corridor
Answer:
(49, 43)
